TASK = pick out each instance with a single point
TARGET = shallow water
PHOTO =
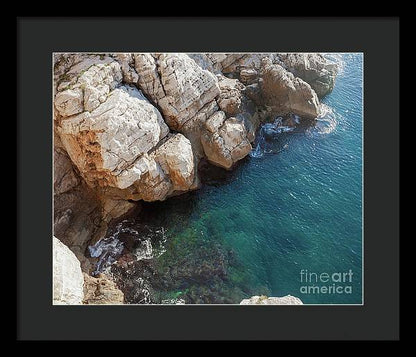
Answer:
(294, 206)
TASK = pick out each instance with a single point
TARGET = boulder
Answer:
(188, 95)
(230, 98)
(248, 75)
(313, 68)
(264, 300)
(284, 93)
(107, 143)
(68, 281)
(225, 141)
(176, 159)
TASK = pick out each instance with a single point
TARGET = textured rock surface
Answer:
(244, 67)
(105, 143)
(264, 300)
(77, 210)
(194, 127)
(126, 61)
(230, 98)
(284, 93)
(176, 84)
(313, 68)
(176, 159)
(188, 95)
(67, 276)
(101, 290)
(225, 141)
(87, 88)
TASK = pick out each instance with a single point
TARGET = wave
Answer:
(325, 123)
(337, 59)
(107, 250)
(268, 137)
(110, 248)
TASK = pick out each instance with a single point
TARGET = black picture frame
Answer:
(377, 38)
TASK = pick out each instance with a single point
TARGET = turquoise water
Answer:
(251, 231)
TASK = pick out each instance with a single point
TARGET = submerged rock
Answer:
(269, 138)
(264, 300)
(68, 281)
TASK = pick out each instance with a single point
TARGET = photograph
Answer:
(207, 178)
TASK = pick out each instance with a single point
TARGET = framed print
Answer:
(206, 182)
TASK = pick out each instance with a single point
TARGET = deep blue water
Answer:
(298, 208)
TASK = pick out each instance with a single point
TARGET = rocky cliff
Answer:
(131, 127)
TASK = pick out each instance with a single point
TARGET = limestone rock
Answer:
(228, 144)
(243, 66)
(230, 98)
(285, 93)
(264, 300)
(215, 121)
(234, 102)
(85, 88)
(154, 185)
(69, 102)
(168, 168)
(224, 61)
(101, 290)
(203, 61)
(105, 143)
(126, 61)
(176, 84)
(194, 128)
(67, 276)
(176, 159)
(187, 93)
(313, 68)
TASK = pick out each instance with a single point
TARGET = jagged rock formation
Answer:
(264, 300)
(313, 68)
(67, 276)
(101, 290)
(188, 97)
(284, 93)
(177, 85)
